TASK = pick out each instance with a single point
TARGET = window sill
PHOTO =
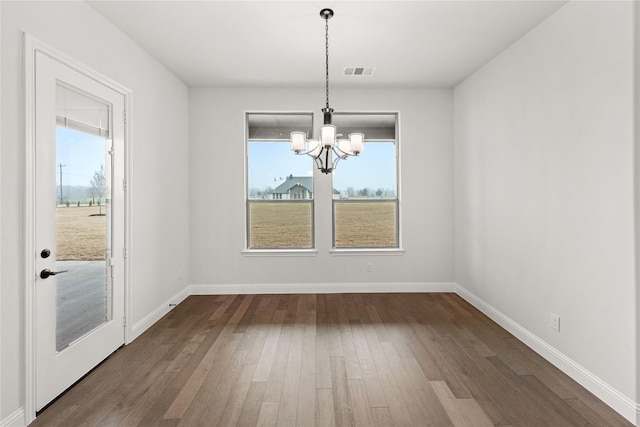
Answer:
(364, 251)
(279, 252)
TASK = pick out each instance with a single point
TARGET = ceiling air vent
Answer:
(359, 71)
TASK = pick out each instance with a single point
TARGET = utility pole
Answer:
(60, 165)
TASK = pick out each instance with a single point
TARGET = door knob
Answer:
(46, 273)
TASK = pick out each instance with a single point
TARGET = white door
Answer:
(79, 225)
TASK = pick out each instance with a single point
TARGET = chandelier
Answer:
(328, 150)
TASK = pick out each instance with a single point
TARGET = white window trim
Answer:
(310, 252)
(365, 251)
(279, 252)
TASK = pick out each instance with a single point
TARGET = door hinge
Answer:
(124, 252)
(110, 149)
(124, 185)
(124, 116)
(124, 321)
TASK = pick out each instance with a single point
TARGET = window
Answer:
(279, 184)
(365, 203)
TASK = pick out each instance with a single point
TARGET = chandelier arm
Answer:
(303, 152)
(335, 162)
(341, 153)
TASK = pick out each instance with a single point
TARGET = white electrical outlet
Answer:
(554, 321)
(369, 267)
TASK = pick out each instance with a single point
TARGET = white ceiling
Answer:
(281, 43)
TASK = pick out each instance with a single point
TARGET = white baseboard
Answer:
(14, 420)
(612, 397)
(321, 288)
(147, 321)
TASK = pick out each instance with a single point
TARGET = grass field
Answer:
(288, 225)
(365, 225)
(280, 225)
(80, 236)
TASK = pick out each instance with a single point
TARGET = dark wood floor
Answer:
(338, 359)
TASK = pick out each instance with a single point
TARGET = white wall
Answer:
(544, 187)
(159, 154)
(217, 192)
(1, 228)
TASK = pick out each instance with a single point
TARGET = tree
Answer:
(98, 186)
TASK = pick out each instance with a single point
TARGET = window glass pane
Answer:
(83, 212)
(271, 167)
(370, 175)
(279, 183)
(365, 224)
(280, 225)
(365, 206)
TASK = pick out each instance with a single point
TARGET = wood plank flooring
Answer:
(327, 360)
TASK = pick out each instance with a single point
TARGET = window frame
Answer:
(276, 251)
(395, 250)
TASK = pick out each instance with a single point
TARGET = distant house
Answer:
(293, 188)
(296, 188)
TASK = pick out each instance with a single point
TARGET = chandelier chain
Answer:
(327, 147)
(326, 38)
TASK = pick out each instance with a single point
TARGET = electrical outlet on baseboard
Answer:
(554, 321)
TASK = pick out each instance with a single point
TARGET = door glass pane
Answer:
(83, 167)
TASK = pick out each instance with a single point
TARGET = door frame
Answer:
(31, 47)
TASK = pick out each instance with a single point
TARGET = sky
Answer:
(269, 163)
(81, 153)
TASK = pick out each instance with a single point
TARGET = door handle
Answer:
(46, 273)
